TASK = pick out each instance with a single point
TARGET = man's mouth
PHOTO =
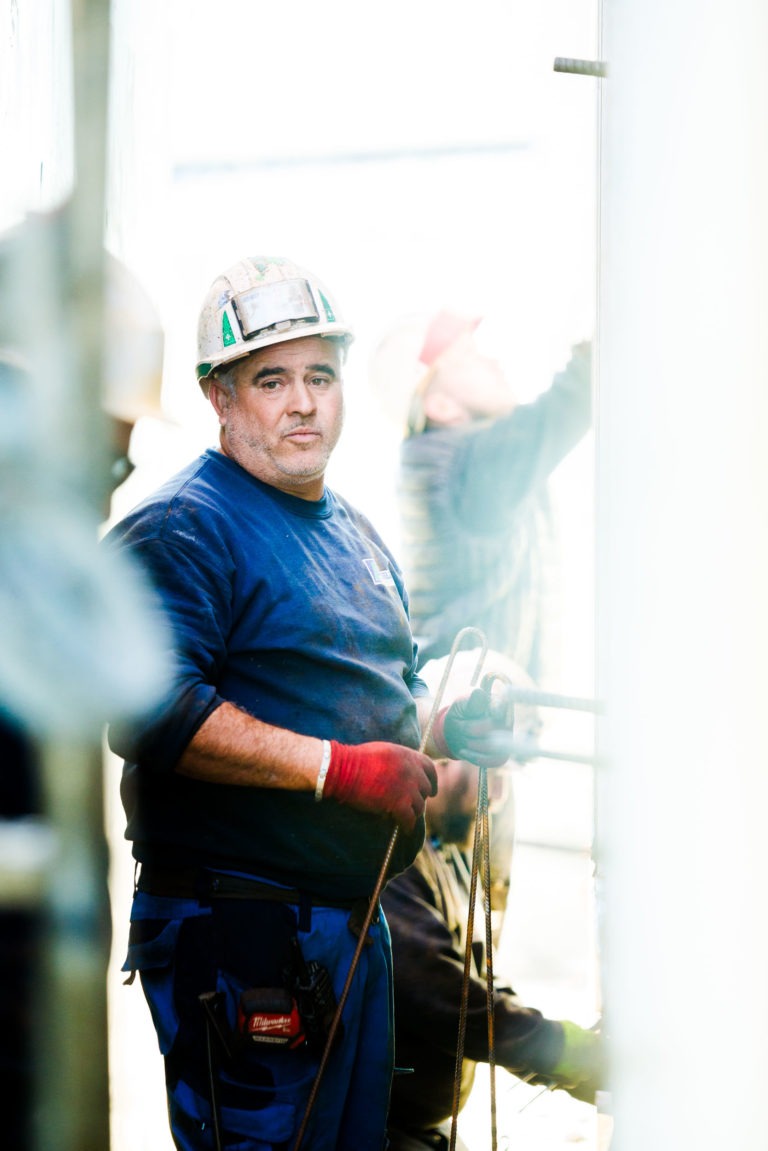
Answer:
(303, 435)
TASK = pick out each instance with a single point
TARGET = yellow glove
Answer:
(580, 1068)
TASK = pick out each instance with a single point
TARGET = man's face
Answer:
(451, 813)
(473, 380)
(285, 416)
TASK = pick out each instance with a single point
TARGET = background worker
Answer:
(426, 908)
(473, 474)
(262, 794)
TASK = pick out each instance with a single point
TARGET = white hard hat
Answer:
(259, 301)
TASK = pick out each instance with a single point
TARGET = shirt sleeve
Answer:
(503, 461)
(195, 600)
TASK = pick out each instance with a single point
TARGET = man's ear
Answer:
(219, 397)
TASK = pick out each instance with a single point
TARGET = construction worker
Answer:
(427, 911)
(262, 794)
(474, 465)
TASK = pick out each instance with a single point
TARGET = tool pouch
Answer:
(311, 987)
(299, 1014)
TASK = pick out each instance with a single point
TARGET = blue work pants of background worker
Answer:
(187, 947)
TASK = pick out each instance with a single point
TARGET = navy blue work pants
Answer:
(183, 948)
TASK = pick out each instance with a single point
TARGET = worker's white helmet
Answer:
(259, 301)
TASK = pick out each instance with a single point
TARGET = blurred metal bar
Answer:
(551, 699)
(72, 1111)
(524, 750)
(195, 170)
(72, 1079)
(85, 226)
(597, 68)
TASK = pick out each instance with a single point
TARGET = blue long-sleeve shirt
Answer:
(294, 611)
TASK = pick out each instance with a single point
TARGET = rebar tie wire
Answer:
(481, 847)
(381, 880)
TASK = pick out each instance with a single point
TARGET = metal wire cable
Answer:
(490, 998)
(464, 989)
(480, 850)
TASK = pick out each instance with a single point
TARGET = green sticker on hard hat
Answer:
(227, 335)
(330, 317)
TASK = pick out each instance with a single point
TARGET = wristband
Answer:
(325, 763)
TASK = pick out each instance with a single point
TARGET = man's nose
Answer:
(302, 398)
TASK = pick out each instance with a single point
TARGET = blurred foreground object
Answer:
(133, 363)
(79, 637)
(79, 634)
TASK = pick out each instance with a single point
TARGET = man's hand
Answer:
(477, 728)
(580, 1069)
(381, 777)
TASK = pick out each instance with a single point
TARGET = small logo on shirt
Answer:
(379, 575)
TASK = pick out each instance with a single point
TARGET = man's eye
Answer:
(320, 381)
(270, 385)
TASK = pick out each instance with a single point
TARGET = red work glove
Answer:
(476, 728)
(381, 777)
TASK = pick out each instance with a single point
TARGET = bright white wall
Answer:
(683, 570)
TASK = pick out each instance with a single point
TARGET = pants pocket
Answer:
(192, 1122)
(151, 950)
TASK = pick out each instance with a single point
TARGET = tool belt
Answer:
(200, 883)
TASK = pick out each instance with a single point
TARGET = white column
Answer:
(683, 571)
